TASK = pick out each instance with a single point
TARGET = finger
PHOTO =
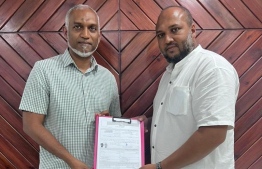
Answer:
(104, 113)
(142, 118)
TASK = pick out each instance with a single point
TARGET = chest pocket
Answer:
(179, 100)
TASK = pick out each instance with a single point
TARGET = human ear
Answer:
(99, 37)
(193, 30)
(65, 32)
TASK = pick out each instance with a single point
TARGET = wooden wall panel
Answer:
(105, 17)
(242, 13)
(138, 17)
(245, 40)
(32, 30)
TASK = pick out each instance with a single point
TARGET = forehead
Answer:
(83, 16)
(169, 17)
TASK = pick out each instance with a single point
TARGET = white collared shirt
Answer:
(201, 90)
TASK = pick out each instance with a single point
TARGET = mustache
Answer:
(172, 44)
(85, 42)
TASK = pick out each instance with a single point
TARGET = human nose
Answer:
(168, 39)
(85, 33)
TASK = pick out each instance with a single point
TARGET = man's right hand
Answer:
(77, 164)
(103, 113)
(147, 122)
(33, 126)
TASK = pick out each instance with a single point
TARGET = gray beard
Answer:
(81, 54)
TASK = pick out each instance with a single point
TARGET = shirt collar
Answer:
(67, 59)
(170, 67)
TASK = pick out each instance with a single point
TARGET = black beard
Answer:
(177, 58)
(188, 46)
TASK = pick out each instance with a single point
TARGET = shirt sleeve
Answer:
(215, 97)
(36, 93)
(114, 108)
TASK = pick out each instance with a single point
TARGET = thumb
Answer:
(104, 113)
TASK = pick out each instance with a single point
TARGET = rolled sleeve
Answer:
(214, 98)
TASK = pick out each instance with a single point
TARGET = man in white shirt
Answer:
(194, 108)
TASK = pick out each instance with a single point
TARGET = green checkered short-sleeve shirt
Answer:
(70, 99)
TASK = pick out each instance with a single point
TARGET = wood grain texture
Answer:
(256, 164)
(33, 30)
(21, 15)
(23, 156)
(248, 99)
(221, 14)
(242, 13)
(109, 53)
(7, 9)
(5, 163)
(136, 15)
(245, 161)
(140, 63)
(241, 44)
(206, 37)
(248, 119)
(105, 17)
(248, 139)
(134, 48)
(45, 11)
(200, 15)
(223, 40)
(255, 7)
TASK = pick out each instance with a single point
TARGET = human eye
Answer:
(175, 29)
(159, 35)
(77, 27)
(93, 28)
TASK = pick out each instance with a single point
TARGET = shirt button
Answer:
(153, 147)
(155, 125)
(170, 82)
(161, 103)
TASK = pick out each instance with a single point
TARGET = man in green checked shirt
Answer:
(63, 94)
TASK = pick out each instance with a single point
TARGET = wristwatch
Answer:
(158, 165)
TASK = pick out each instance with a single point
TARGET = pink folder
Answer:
(114, 150)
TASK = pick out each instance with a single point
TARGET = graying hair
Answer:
(76, 7)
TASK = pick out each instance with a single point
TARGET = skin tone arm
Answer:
(33, 126)
(200, 144)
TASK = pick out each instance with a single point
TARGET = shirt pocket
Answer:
(178, 103)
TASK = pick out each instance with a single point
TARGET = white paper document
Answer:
(119, 143)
